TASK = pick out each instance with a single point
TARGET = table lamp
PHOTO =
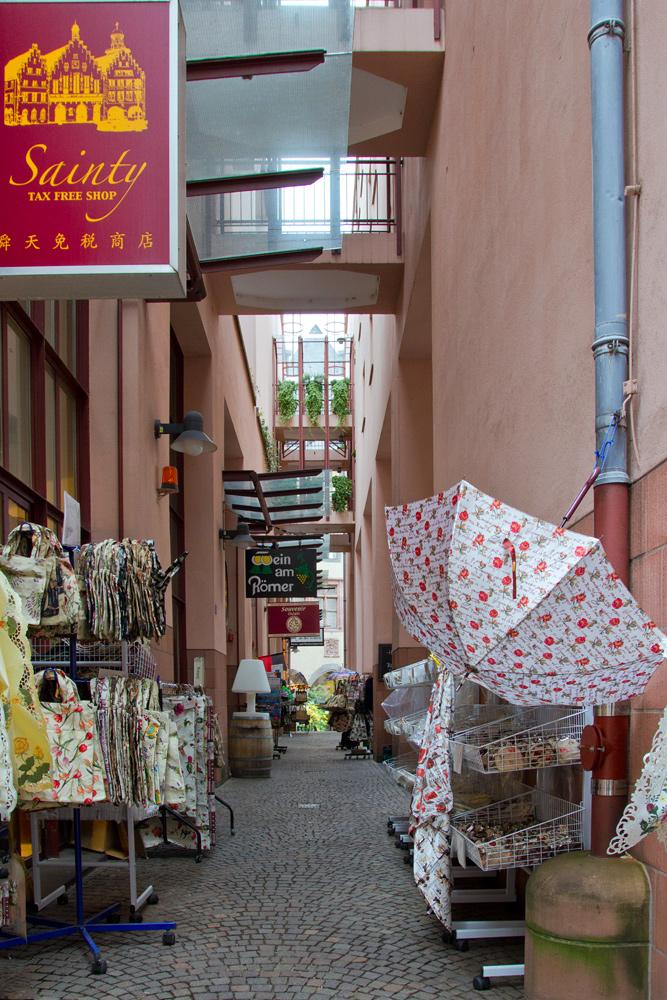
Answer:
(251, 679)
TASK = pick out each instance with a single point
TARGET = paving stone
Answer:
(301, 904)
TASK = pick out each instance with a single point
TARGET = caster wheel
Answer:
(461, 945)
(31, 908)
(481, 983)
(168, 937)
(113, 918)
(198, 858)
(63, 900)
(153, 899)
(136, 918)
(449, 937)
(407, 860)
(99, 966)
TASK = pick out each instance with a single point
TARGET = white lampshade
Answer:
(251, 676)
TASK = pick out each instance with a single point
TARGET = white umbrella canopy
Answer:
(527, 609)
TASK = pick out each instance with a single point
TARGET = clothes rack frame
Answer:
(105, 921)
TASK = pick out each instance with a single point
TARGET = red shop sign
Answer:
(92, 201)
(292, 620)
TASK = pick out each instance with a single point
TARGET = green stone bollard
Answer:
(587, 929)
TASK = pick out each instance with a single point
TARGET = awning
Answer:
(274, 500)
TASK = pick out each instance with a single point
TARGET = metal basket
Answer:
(414, 675)
(402, 770)
(411, 726)
(538, 827)
(532, 738)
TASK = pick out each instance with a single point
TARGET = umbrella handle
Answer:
(512, 551)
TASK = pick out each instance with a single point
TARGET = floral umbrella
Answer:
(531, 611)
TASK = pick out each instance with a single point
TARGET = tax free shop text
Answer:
(121, 174)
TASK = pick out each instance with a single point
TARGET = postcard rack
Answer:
(424, 672)
(520, 831)
(531, 738)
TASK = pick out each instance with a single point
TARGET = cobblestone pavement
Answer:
(309, 900)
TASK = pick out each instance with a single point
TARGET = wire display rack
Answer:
(411, 726)
(532, 738)
(523, 830)
(414, 675)
(402, 770)
(131, 659)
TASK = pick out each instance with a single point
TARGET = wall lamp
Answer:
(239, 536)
(191, 438)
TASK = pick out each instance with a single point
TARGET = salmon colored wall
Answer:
(511, 229)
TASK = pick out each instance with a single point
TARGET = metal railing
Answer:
(355, 195)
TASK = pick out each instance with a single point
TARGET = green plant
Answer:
(271, 451)
(287, 398)
(340, 397)
(341, 493)
(313, 386)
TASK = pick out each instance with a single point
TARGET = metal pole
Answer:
(610, 351)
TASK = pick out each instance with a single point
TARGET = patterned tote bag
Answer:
(78, 774)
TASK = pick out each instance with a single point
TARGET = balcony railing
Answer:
(331, 359)
(354, 196)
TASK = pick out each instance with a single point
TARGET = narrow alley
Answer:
(308, 900)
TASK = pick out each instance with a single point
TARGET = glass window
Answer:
(68, 478)
(67, 333)
(331, 609)
(19, 459)
(16, 514)
(51, 461)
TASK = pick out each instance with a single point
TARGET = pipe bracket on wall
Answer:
(610, 26)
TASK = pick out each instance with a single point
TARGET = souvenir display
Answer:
(34, 563)
(21, 715)
(192, 714)
(124, 588)
(71, 726)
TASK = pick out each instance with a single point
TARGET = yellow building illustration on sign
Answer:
(70, 86)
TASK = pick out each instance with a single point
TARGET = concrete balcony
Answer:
(365, 277)
(397, 67)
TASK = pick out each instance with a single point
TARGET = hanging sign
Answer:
(281, 573)
(92, 169)
(293, 620)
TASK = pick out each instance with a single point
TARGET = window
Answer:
(43, 411)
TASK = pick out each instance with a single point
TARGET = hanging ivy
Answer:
(340, 397)
(287, 398)
(271, 450)
(341, 493)
(313, 386)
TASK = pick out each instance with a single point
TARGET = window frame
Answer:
(34, 497)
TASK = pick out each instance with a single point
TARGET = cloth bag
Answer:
(23, 718)
(34, 550)
(78, 773)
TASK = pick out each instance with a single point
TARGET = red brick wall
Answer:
(648, 569)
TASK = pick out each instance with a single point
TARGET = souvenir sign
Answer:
(293, 620)
(281, 572)
(92, 172)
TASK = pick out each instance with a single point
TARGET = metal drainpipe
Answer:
(610, 351)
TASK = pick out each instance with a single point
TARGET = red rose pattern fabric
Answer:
(572, 635)
(432, 803)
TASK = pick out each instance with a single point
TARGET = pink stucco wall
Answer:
(486, 371)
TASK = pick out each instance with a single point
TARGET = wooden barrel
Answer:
(250, 747)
